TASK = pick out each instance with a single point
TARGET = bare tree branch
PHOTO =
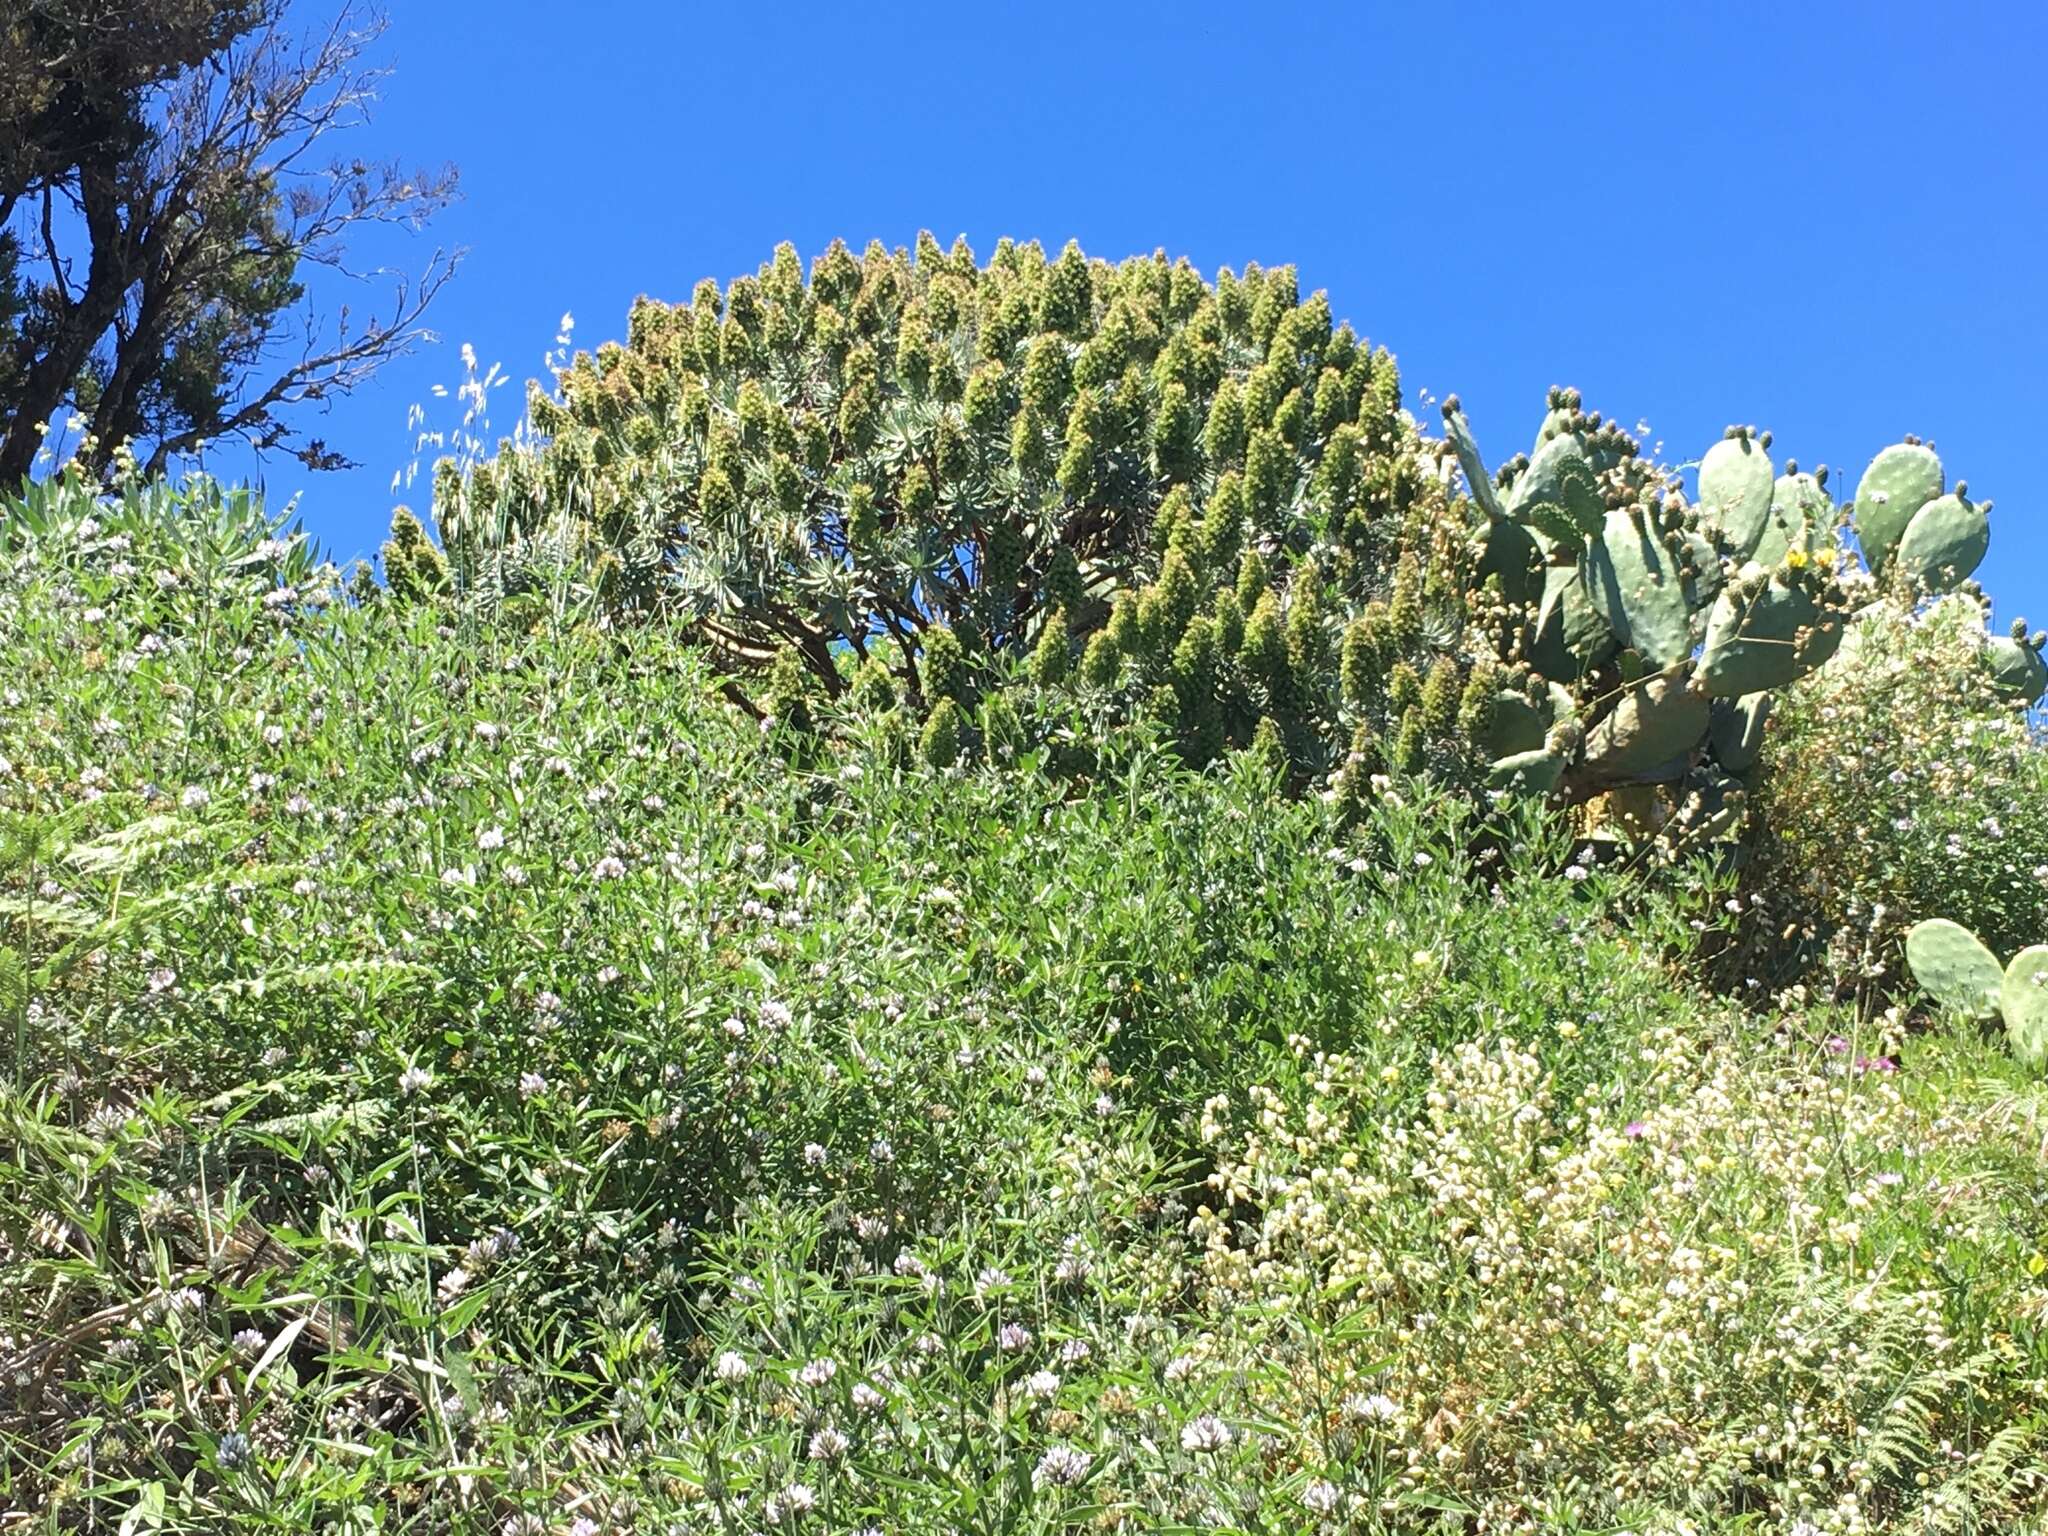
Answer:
(205, 201)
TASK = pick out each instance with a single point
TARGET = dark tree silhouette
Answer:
(166, 183)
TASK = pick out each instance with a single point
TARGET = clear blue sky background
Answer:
(1827, 219)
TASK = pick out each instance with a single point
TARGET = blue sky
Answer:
(1827, 219)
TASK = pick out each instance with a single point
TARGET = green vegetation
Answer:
(692, 1006)
(1123, 496)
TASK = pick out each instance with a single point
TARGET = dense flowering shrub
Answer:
(1900, 783)
(1703, 1286)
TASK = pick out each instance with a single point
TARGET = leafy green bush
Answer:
(1899, 783)
(470, 1077)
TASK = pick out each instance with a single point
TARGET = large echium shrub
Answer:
(987, 494)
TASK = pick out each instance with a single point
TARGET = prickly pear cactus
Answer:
(1899, 482)
(1801, 519)
(1670, 623)
(1736, 490)
(1735, 730)
(1955, 969)
(1657, 723)
(1946, 541)
(1642, 577)
(2018, 665)
(2023, 999)
(1559, 494)
(1770, 628)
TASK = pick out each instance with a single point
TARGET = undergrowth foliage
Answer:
(473, 1077)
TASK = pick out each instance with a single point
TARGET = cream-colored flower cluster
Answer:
(1706, 1287)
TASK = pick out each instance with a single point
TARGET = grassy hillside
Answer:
(473, 1081)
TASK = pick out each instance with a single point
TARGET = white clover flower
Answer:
(1061, 1467)
(797, 1499)
(1376, 1408)
(532, 1085)
(1205, 1435)
(490, 838)
(814, 1155)
(828, 1444)
(1321, 1497)
(731, 1367)
(1041, 1384)
(414, 1080)
(1012, 1337)
(610, 867)
(867, 1398)
(816, 1373)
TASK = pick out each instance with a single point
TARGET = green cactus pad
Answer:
(1735, 730)
(2023, 999)
(1534, 773)
(1556, 421)
(1801, 517)
(1522, 725)
(1735, 491)
(1900, 481)
(1458, 433)
(2017, 669)
(1765, 635)
(1651, 731)
(1708, 573)
(1946, 540)
(1637, 585)
(1518, 725)
(1953, 968)
(1571, 638)
(1512, 553)
(1559, 494)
